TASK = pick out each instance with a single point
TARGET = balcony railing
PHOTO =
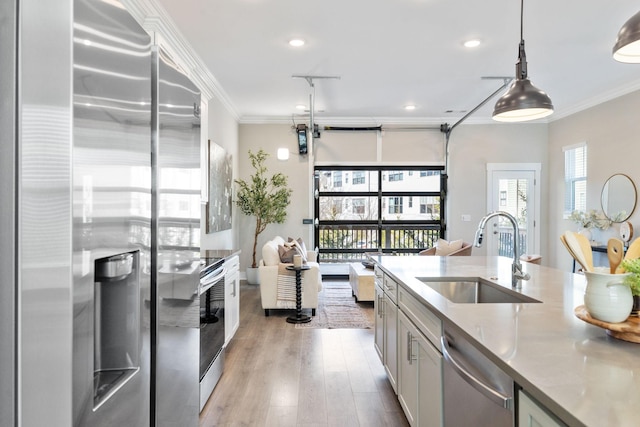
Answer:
(505, 242)
(349, 243)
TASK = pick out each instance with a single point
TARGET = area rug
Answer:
(338, 309)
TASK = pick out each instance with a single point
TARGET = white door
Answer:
(513, 188)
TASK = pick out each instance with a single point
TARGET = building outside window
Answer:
(395, 176)
(358, 206)
(395, 205)
(337, 179)
(358, 177)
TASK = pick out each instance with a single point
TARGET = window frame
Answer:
(432, 228)
(573, 177)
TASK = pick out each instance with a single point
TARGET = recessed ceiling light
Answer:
(409, 107)
(472, 43)
(301, 107)
(296, 42)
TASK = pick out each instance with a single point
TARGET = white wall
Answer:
(222, 128)
(611, 132)
(471, 147)
(269, 138)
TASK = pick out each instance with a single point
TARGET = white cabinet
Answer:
(391, 340)
(378, 305)
(231, 298)
(386, 324)
(531, 414)
(419, 376)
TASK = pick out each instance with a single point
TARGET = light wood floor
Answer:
(279, 375)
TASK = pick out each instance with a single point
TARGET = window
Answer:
(358, 206)
(337, 206)
(337, 179)
(395, 176)
(395, 205)
(575, 178)
(391, 209)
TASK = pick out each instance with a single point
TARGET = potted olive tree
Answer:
(265, 198)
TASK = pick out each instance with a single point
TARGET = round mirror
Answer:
(618, 197)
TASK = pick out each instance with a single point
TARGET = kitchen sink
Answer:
(474, 290)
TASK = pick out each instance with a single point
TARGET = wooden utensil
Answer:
(575, 248)
(634, 250)
(585, 248)
(573, 255)
(615, 252)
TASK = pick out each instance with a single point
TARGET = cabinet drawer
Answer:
(232, 265)
(427, 322)
(390, 288)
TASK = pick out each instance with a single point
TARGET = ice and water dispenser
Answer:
(117, 323)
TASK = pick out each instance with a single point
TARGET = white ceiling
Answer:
(390, 53)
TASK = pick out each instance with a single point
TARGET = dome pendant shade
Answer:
(522, 102)
(627, 46)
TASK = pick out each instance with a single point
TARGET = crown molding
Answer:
(418, 122)
(157, 22)
(597, 100)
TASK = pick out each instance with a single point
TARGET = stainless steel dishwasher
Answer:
(476, 391)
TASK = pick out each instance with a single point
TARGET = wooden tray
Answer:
(628, 330)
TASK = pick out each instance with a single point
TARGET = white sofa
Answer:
(270, 268)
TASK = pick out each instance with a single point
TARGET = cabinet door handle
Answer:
(409, 348)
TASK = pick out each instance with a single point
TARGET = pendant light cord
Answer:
(521, 66)
(521, 20)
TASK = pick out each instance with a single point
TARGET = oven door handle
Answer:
(489, 392)
(206, 285)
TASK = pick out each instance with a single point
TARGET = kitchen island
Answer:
(573, 369)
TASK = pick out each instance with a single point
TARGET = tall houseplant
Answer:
(265, 198)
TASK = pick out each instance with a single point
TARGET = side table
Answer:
(299, 317)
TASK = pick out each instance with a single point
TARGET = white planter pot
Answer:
(253, 278)
(607, 298)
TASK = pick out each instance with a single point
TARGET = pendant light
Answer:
(522, 101)
(627, 47)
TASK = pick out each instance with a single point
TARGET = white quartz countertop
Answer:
(573, 368)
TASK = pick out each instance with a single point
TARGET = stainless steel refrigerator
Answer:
(99, 199)
(112, 227)
(176, 178)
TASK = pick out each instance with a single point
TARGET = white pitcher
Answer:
(607, 298)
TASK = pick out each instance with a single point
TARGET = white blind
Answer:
(575, 178)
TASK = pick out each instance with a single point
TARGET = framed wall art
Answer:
(220, 189)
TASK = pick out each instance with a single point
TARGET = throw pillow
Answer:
(444, 247)
(294, 244)
(287, 253)
(303, 248)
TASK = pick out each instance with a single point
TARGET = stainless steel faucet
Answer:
(517, 275)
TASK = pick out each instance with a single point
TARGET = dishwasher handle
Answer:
(494, 395)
